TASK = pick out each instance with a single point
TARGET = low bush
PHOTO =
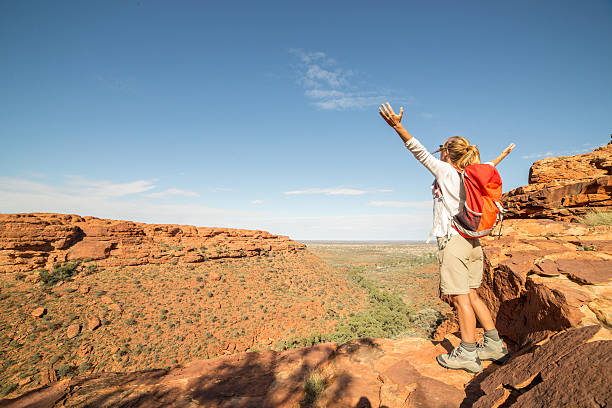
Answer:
(60, 273)
(7, 389)
(596, 217)
(313, 387)
(65, 370)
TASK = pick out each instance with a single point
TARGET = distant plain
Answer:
(409, 268)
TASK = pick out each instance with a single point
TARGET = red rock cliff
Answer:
(31, 241)
(564, 187)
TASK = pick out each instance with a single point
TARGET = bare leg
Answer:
(467, 319)
(481, 310)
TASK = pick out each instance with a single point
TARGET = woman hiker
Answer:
(461, 263)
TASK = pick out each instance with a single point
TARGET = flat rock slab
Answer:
(582, 378)
(591, 271)
(547, 268)
(551, 374)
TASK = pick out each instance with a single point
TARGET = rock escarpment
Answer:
(562, 188)
(32, 241)
(155, 296)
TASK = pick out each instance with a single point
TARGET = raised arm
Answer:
(395, 121)
(503, 154)
(434, 165)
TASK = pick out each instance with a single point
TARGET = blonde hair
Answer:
(461, 152)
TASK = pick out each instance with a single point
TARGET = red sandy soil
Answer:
(153, 316)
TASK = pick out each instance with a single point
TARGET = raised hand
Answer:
(508, 149)
(389, 116)
(503, 154)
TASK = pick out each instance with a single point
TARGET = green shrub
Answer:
(596, 217)
(64, 370)
(84, 367)
(60, 273)
(313, 387)
(7, 389)
(387, 315)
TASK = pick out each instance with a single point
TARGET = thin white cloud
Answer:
(414, 204)
(22, 195)
(217, 189)
(94, 188)
(587, 147)
(329, 86)
(172, 192)
(327, 191)
(37, 175)
(335, 191)
(427, 115)
(257, 202)
(538, 155)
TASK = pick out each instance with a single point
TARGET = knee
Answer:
(473, 296)
(462, 301)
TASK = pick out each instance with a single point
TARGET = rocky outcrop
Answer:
(572, 369)
(562, 188)
(543, 276)
(361, 373)
(32, 241)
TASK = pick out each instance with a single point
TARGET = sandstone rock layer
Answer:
(539, 279)
(32, 241)
(564, 187)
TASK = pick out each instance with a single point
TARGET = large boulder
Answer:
(563, 188)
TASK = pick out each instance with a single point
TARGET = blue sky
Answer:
(263, 115)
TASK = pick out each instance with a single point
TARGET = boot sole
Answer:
(500, 360)
(458, 368)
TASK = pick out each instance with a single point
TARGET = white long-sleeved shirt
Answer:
(449, 182)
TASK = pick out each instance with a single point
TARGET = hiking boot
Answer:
(461, 359)
(492, 350)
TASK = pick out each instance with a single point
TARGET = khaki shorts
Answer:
(460, 264)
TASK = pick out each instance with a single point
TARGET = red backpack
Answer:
(482, 210)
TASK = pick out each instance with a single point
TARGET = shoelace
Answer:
(455, 352)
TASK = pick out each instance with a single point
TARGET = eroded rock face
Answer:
(572, 369)
(32, 241)
(539, 279)
(564, 187)
(360, 373)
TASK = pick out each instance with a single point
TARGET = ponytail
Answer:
(461, 152)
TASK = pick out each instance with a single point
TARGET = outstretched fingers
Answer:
(384, 109)
(390, 109)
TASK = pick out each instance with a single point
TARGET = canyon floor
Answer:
(152, 316)
(408, 267)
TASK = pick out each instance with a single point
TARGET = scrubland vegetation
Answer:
(141, 317)
(596, 217)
